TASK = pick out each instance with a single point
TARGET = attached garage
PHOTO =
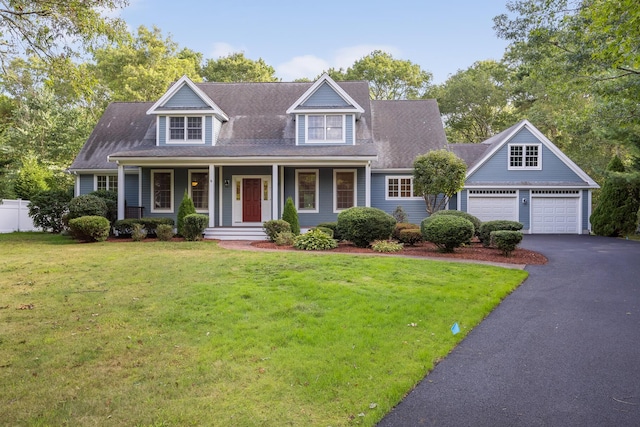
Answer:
(489, 205)
(555, 212)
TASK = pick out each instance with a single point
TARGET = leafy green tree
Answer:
(186, 208)
(437, 176)
(290, 214)
(388, 78)
(141, 68)
(32, 178)
(475, 103)
(237, 68)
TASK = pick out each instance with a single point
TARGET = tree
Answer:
(237, 68)
(32, 178)
(186, 208)
(475, 103)
(141, 68)
(47, 209)
(53, 29)
(437, 176)
(388, 78)
(290, 214)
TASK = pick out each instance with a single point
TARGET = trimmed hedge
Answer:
(487, 227)
(403, 226)
(363, 225)
(124, 226)
(473, 219)
(447, 232)
(506, 240)
(92, 228)
(164, 232)
(275, 226)
(194, 225)
(410, 236)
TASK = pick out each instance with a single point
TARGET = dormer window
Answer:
(525, 156)
(325, 128)
(185, 129)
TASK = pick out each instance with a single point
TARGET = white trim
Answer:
(139, 186)
(367, 185)
(169, 141)
(121, 192)
(275, 186)
(191, 171)
(386, 187)
(524, 146)
(335, 188)
(317, 196)
(172, 188)
(220, 194)
(107, 175)
(325, 78)
(307, 140)
(211, 194)
(244, 161)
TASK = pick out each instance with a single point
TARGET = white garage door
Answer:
(555, 215)
(489, 206)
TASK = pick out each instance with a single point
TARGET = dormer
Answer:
(185, 115)
(325, 114)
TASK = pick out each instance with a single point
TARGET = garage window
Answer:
(525, 157)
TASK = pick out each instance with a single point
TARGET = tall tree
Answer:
(141, 68)
(388, 78)
(237, 68)
(475, 103)
(437, 176)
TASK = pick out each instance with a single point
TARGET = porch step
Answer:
(235, 233)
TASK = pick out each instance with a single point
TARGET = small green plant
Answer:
(194, 225)
(487, 227)
(314, 240)
(447, 232)
(86, 205)
(506, 240)
(333, 226)
(275, 226)
(386, 246)
(284, 238)
(363, 225)
(403, 226)
(164, 232)
(186, 208)
(328, 231)
(91, 228)
(400, 215)
(138, 232)
(124, 226)
(410, 236)
(290, 214)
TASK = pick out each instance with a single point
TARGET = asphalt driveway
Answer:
(562, 350)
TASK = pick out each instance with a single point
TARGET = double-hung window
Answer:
(199, 189)
(525, 156)
(185, 128)
(107, 182)
(307, 190)
(400, 187)
(161, 191)
(344, 189)
(325, 127)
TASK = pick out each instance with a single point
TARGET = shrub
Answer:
(474, 220)
(400, 215)
(486, 228)
(275, 226)
(333, 226)
(138, 232)
(164, 232)
(447, 232)
(186, 208)
(87, 205)
(362, 225)
(290, 214)
(410, 236)
(403, 226)
(47, 208)
(89, 228)
(124, 226)
(194, 225)
(386, 246)
(110, 198)
(284, 238)
(314, 240)
(506, 240)
(328, 231)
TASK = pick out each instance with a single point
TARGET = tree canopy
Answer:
(437, 176)
(237, 68)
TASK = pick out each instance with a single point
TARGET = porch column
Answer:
(120, 191)
(275, 185)
(367, 185)
(211, 195)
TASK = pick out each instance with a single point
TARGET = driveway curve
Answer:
(562, 350)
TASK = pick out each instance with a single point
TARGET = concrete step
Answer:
(235, 233)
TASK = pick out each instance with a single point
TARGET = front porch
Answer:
(235, 233)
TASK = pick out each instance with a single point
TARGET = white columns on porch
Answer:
(275, 185)
(367, 185)
(211, 195)
(121, 187)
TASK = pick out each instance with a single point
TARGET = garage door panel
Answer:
(493, 208)
(555, 215)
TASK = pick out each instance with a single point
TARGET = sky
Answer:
(300, 39)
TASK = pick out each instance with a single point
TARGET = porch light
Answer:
(194, 183)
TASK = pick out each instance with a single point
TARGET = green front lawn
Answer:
(187, 333)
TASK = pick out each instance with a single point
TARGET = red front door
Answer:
(251, 200)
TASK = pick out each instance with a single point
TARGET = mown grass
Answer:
(183, 333)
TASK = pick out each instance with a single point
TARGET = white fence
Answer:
(14, 216)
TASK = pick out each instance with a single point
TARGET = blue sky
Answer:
(301, 39)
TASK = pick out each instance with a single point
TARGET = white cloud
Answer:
(221, 49)
(310, 66)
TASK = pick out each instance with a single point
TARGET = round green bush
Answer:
(314, 240)
(87, 205)
(447, 232)
(285, 238)
(474, 220)
(506, 240)
(410, 236)
(91, 228)
(110, 198)
(403, 226)
(194, 225)
(363, 225)
(487, 227)
(326, 230)
(275, 226)
(333, 226)
(164, 232)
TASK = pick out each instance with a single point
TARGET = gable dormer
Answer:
(325, 114)
(185, 115)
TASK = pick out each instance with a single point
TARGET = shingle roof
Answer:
(258, 125)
